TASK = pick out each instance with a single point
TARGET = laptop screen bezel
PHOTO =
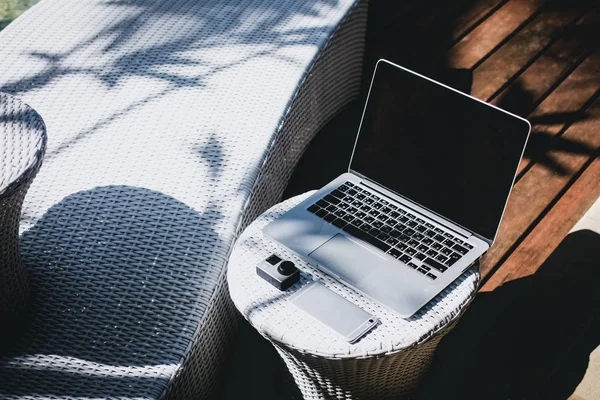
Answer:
(350, 170)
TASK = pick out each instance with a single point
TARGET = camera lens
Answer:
(286, 268)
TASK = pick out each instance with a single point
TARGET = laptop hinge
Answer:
(417, 208)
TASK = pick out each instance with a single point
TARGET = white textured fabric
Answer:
(270, 312)
(169, 123)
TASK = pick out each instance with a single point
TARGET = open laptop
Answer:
(427, 184)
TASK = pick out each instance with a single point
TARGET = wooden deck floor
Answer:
(537, 318)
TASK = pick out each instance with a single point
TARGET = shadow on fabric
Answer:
(120, 279)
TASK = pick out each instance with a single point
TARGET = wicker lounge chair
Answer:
(171, 126)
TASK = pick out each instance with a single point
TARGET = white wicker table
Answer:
(22, 147)
(389, 361)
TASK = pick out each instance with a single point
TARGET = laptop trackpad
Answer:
(349, 260)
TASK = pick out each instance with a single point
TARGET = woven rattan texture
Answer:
(391, 359)
(171, 124)
(22, 145)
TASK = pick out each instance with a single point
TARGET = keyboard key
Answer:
(369, 200)
(331, 208)
(453, 258)
(412, 223)
(437, 246)
(340, 213)
(369, 219)
(383, 236)
(393, 207)
(421, 228)
(410, 251)
(338, 194)
(422, 270)
(409, 232)
(343, 188)
(403, 219)
(431, 253)
(386, 229)
(366, 227)
(384, 202)
(427, 241)
(314, 208)
(367, 238)
(432, 276)
(395, 253)
(391, 241)
(413, 265)
(439, 238)
(402, 246)
(351, 192)
(321, 213)
(375, 232)
(405, 258)
(418, 236)
(340, 223)
(383, 217)
(441, 258)
(344, 206)
(360, 196)
(411, 216)
(419, 220)
(446, 251)
(422, 247)
(378, 224)
(429, 233)
(357, 222)
(386, 210)
(377, 205)
(426, 268)
(403, 238)
(329, 217)
(460, 249)
(348, 218)
(420, 256)
(349, 184)
(449, 236)
(434, 264)
(330, 199)
(360, 214)
(459, 241)
(322, 203)
(438, 230)
(374, 213)
(413, 242)
(468, 246)
(448, 242)
(427, 224)
(357, 203)
(395, 234)
(394, 214)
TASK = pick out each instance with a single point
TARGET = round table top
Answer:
(22, 141)
(276, 318)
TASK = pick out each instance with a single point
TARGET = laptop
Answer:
(425, 191)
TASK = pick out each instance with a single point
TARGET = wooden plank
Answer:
(513, 56)
(533, 194)
(487, 36)
(558, 110)
(471, 16)
(548, 234)
(554, 63)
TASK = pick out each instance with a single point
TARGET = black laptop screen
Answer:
(439, 148)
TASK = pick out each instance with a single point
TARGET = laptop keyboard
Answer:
(397, 232)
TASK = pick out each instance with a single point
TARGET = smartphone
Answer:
(334, 311)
